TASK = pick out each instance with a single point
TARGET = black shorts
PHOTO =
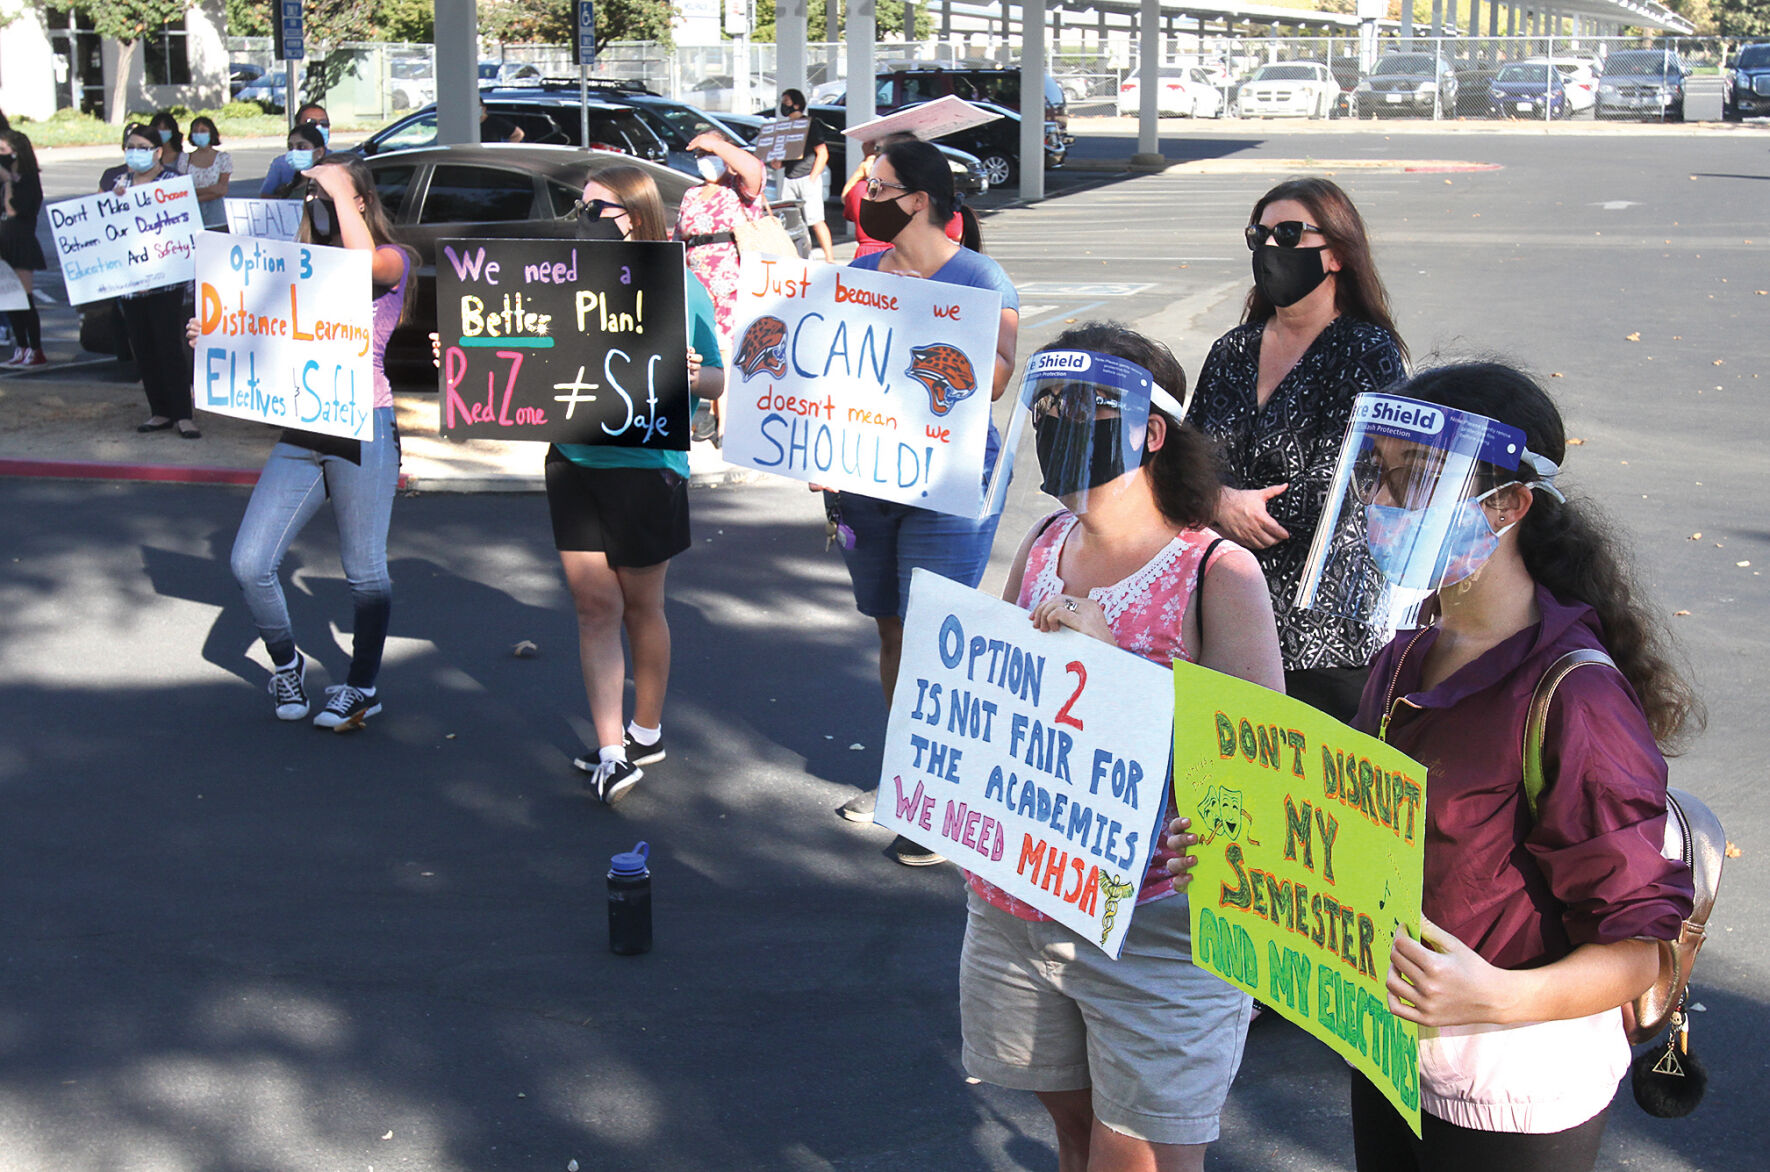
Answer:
(636, 516)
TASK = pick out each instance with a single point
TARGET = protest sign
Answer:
(573, 341)
(286, 333)
(868, 382)
(12, 290)
(267, 219)
(1309, 862)
(930, 120)
(1038, 761)
(782, 139)
(110, 244)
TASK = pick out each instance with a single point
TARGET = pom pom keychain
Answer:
(1669, 1081)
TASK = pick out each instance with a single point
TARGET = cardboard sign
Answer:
(572, 341)
(782, 139)
(1311, 852)
(868, 382)
(112, 244)
(265, 219)
(12, 290)
(286, 333)
(1037, 761)
(930, 120)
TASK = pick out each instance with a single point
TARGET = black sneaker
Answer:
(643, 754)
(859, 808)
(913, 854)
(347, 709)
(612, 779)
(288, 687)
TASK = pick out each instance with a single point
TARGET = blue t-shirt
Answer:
(703, 338)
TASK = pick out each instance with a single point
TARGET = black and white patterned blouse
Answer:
(1295, 438)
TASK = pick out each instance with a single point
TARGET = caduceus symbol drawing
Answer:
(1116, 889)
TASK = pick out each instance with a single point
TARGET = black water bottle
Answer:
(629, 902)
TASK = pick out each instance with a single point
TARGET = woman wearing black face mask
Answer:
(909, 200)
(1277, 392)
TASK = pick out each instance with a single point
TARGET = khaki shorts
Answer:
(1156, 1038)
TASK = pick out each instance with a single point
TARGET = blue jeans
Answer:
(289, 492)
(890, 540)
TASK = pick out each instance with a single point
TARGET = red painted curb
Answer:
(1456, 167)
(91, 470)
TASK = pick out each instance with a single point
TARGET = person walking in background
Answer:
(170, 141)
(282, 173)
(306, 469)
(21, 201)
(307, 147)
(154, 319)
(802, 179)
(210, 169)
(1277, 392)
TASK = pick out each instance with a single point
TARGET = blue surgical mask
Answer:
(1439, 545)
(199, 138)
(139, 159)
(711, 167)
(300, 160)
(325, 133)
(165, 136)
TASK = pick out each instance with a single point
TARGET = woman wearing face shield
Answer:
(909, 200)
(1132, 1058)
(151, 318)
(1277, 391)
(306, 469)
(1540, 919)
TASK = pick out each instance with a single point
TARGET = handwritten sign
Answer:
(573, 341)
(1310, 861)
(1037, 761)
(12, 290)
(927, 121)
(286, 332)
(110, 244)
(868, 382)
(266, 219)
(782, 139)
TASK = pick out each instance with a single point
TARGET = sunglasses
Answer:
(875, 186)
(1285, 233)
(598, 208)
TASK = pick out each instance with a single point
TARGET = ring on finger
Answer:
(1069, 604)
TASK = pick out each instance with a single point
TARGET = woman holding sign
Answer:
(21, 200)
(151, 319)
(1133, 1058)
(619, 516)
(306, 469)
(909, 201)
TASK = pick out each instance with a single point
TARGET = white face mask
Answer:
(712, 168)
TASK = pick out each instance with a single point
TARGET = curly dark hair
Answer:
(1186, 471)
(1571, 548)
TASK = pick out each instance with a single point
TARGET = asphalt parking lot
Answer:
(231, 944)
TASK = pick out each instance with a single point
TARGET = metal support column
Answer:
(457, 71)
(1032, 99)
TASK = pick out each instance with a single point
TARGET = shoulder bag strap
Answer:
(1537, 721)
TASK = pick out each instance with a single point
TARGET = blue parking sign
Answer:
(586, 43)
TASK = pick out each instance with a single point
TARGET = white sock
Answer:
(369, 691)
(612, 753)
(642, 735)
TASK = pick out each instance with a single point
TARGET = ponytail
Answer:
(970, 235)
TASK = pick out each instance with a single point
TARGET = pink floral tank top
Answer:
(1146, 612)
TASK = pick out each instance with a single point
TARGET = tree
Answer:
(126, 22)
(888, 17)
(553, 22)
(1741, 18)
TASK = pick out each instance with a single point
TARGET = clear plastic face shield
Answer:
(1404, 514)
(1090, 418)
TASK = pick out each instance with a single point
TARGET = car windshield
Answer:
(1409, 64)
(1754, 57)
(1534, 74)
(1640, 65)
(1285, 73)
(687, 121)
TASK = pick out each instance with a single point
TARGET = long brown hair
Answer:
(1570, 548)
(638, 193)
(1358, 290)
(381, 229)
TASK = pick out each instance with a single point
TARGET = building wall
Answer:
(27, 67)
(28, 64)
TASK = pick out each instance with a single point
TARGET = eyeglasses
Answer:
(596, 209)
(1398, 484)
(875, 186)
(1285, 233)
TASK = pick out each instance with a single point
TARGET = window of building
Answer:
(166, 59)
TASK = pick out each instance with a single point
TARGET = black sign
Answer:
(573, 341)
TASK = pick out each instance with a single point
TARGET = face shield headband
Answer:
(1404, 512)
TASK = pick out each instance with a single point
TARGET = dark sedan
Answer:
(1522, 91)
(996, 144)
(1748, 83)
(1419, 84)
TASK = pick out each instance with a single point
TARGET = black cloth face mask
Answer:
(1066, 476)
(1284, 276)
(883, 219)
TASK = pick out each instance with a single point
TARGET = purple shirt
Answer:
(1589, 868)
(388, 304)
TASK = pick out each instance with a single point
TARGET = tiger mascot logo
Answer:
(945, 372)
(764, 348)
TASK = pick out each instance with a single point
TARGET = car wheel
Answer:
(1678, 114)
(1730, 113)
(998, 169)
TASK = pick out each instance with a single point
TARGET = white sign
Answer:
(12, 290)
(286, 333)
(267, 219)
(868, 382)
(930, 120)
(110, 244)
(1038, 762)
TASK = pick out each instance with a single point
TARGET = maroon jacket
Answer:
(1589, 869)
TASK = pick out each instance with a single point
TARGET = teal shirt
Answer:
(703, 337)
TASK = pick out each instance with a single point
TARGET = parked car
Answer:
(967, 168)
(1579, 75)
(1420, 84)
(1186, 91)
(1642, 83)
(240, 74)
(522, 191)
(546, 119)
(911, 85)
(271, 90)
(1288, 89)
(677, 123)
(719, 92)
(411, 83)
(1748, 88)
(996, 144)
(505, 72)
(1524, 89)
